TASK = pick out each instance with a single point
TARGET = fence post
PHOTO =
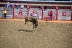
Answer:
(12, 12)
(56, 13)
(71, 12)
(28, 7)
(42, 11)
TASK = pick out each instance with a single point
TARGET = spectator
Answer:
(8, 5)
(11, 6)
(45, 7)
(39, 7)
(22, 6)
(17, 6)
(50, 14)
(4, 13)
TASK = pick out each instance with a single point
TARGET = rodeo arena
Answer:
(29, 24)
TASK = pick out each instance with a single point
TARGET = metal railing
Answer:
(40, 4)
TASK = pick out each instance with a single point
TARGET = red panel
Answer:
(48, 18)
(63, 13)
(20, 12)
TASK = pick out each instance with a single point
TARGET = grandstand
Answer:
(62, 7)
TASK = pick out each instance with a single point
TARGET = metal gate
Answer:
(9, 13)
(46, 12)
(67, 14)
(20, 13)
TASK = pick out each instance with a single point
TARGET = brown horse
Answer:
(33, 20)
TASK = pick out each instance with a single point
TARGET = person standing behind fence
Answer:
(50, 14)
(11, 6)
(4, 13)
(16, 6)
(21, 6)
(8, 6)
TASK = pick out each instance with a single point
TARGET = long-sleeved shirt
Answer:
(5, 12)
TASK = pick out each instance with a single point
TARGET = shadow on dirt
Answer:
(25, 30)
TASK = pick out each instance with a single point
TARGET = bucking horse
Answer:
(33, 20)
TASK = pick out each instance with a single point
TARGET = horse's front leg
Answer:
(33, 26)
(25, 20)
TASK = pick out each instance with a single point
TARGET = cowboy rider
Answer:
(34, 15)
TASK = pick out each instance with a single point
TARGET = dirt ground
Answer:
(49, 34)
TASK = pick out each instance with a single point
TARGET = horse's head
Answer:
(28, 19)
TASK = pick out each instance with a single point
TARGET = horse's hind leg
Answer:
(25, 22)
(33, 26)
(37, 23)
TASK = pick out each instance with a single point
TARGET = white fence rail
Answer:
(40, 4)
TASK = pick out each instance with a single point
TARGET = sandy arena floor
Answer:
(49, 34)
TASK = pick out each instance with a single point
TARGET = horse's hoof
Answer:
(33, 27)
